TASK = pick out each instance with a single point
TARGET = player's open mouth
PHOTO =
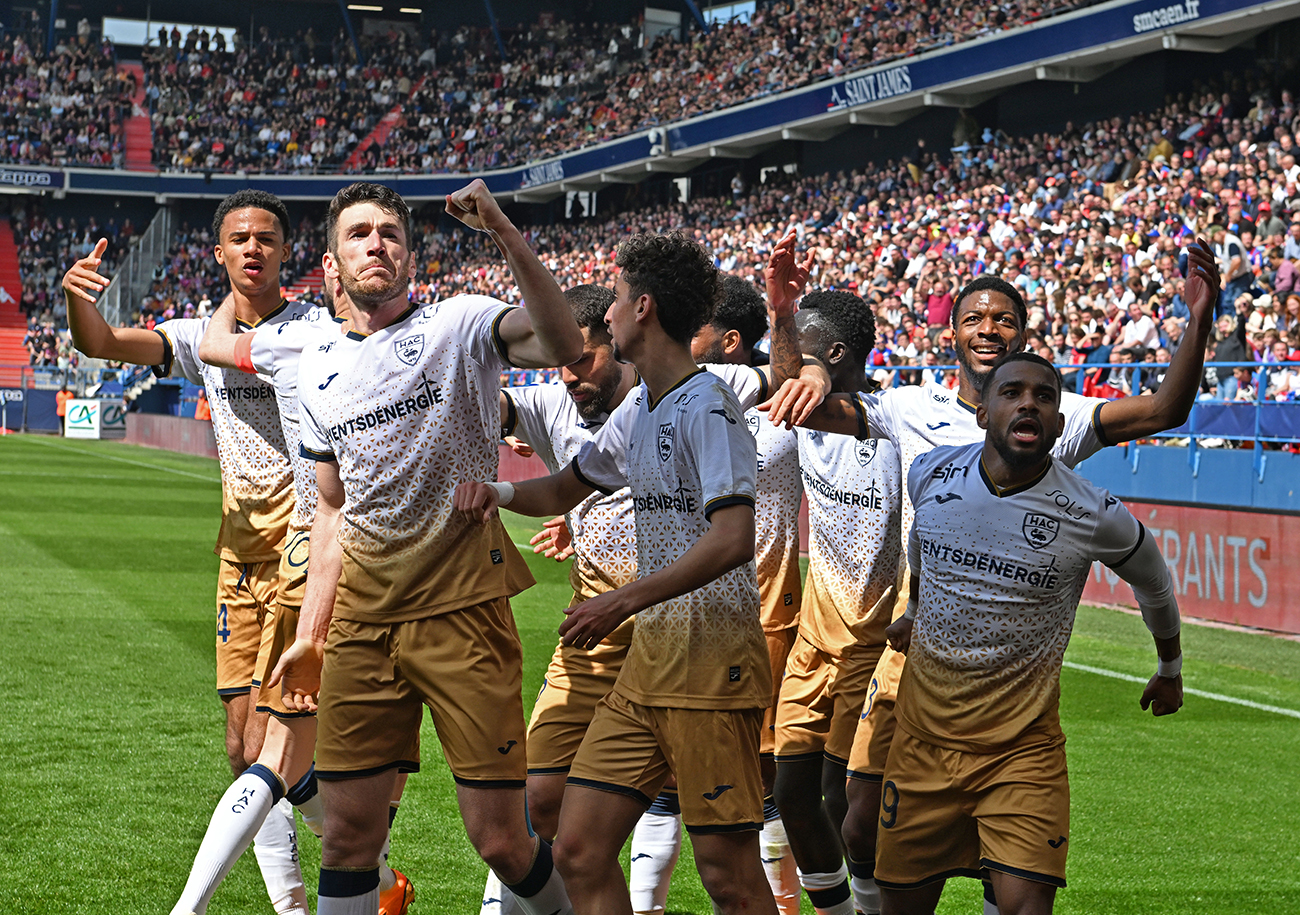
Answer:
(987, 352)
(253, 268)
(1027, 431)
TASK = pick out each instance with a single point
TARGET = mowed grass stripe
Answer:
(112, 737)
(1187, 690)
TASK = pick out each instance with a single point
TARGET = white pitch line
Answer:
(1218, 697)
(122, 460)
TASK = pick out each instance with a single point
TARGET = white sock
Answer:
(551, 899)
(276, 847)
(778, 864)
(497, 900)
(866, 895)
(386, 876)
(829, 893)
(313, 815)
(656, 845)
(237, 818)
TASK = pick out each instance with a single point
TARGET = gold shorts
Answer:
(576, 681)
(245, 593)
(466, 666)
(278, 633)
(949, 813)
(779, 644)
(821, 701)
(293, 569)
(631, 749)
(877, 724)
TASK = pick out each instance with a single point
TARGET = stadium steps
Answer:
(138, 129)
(385, 127)
(13, 356)
(310, 282)
(11, 282)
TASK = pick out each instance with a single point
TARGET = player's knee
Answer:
(235, 753)
(506, 854)
(575, 856)
(544, 810)
(859, 834)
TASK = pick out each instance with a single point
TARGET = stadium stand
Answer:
(62, 108)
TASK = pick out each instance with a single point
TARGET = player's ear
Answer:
(835, 353)
(330, 264)
(220, 255)
(731, 341)
(982, 417)
(1060, 424)
(645, 307)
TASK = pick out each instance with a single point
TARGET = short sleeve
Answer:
(726, 457)
(1117, 534)
(602, 462)
(748, 383)
(270, 348)
(1082, 436)
(478, 320)
(528, 410)
(181, 339)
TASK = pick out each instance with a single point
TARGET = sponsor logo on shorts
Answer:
(717, 792)
(788, 598)
(497, 558)
(510, 745)
(1060, 840)
(733, 674)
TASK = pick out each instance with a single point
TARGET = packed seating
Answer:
(61, 108)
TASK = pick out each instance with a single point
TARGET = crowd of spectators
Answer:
(61, 108)
(300, 105)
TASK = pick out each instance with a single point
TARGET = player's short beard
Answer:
(714, 355)
(1022, 460)
(368, 299)
(602, 394)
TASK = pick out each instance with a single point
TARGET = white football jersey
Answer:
(1001, 575)
(854, 540)
(780, 493)
(917, 418)
(256, 474)
(685, 456)
(603, 526)
(275, 354)
(409, 412)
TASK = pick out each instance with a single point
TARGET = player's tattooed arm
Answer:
(91, 334)
(543, 333)
(1128, 418)
(221, 341)
(298, 672)
(537, 498)
(728, 543)
(785, 277)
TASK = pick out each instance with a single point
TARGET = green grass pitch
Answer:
(111, 734)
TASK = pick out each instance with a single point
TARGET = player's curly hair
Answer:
(590, 302)
(247, 199)
(383, 197)
(741, 309)
(847, 318)
(992, 284)
(987, 382)
(681, 276)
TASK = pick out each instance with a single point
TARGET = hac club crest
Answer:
(411, 349)
(1040, 530)
(665, 442)
(866, 450)
(751, 420)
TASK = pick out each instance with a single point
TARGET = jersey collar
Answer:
(244, 325)
(1000, 493)
(357, 335)
(664, 395)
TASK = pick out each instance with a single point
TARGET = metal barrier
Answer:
(120, 302)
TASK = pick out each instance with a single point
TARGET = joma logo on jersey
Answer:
(665, 442)
(866, 450)
(1040, 530)
(411, 349)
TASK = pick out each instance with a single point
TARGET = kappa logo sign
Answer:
(411, 349)
(866, 451)
(1040, 530)
(665, 442)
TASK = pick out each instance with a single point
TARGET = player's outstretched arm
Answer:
(298, 671)
(91, 334)
(728, 543)
(794, 404)
(538, 498)
(1148, 574)
(543, 334)
(221, 340)
(1128, 418)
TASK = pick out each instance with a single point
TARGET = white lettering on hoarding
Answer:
(1167, 15)
(873, 87)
